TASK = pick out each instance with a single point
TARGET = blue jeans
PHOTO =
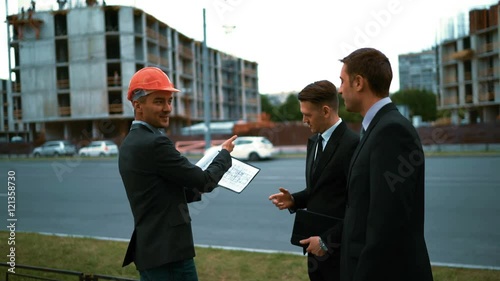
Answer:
(176, 271)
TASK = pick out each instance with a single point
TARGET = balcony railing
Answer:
(63, 84)
(114, 81)
(151, 33)
(487, 96)
(450, 79)
(185, 52)
(16, 87)
(18, 114)
(450, 100)
(65, 111)
(163, 41)
(152, 58)
(468, 76)
(251, 101)
(116, 108)
(249, 85)
(448, 57)
(489, 72)
(187, 71)
(466, 54)
(164, 61)
(250, 72)
(488, 47)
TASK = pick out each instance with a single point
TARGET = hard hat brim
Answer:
(173, 90)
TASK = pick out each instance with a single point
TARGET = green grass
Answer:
(105, 258)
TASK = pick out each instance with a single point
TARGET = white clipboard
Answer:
(237, 178)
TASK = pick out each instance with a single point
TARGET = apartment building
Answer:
(469, 69)
(11, 124)
(72, 66)
(418, 71)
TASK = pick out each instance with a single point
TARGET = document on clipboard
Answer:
(237, 178)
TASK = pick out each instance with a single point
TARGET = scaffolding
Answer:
(20, 22)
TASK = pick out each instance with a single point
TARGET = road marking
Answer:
(470, 266)
(200, 245)
(84, 236)
(249, 250)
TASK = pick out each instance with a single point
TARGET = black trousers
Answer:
(325, 268)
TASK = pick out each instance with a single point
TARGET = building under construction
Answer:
(71, 68)
(469, 69)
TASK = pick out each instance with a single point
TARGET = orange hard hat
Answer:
(150, 79)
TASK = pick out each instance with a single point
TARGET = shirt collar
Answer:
(328, 133)
(373, 110)
(153, 129)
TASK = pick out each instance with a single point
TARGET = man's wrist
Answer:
(322, 245)
(291, 209)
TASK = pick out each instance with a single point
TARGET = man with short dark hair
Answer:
(329, 153)
(383, 236)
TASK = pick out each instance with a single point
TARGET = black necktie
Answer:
(319, 151)
(362, 132)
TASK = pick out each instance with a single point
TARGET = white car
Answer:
(250, 148)
(99, 148)
(55, 149)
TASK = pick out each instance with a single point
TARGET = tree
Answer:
(419, 102)
(289, 110)
(266, 105)
(277, 113)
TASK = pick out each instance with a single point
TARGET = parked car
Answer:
(250, 148)
(99, 148)
(55, 149)
(16, 139)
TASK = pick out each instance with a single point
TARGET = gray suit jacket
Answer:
(156, 178)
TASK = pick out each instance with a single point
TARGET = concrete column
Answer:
(467, 117)
(66, 131)
(95, 129)
(2, 116)
(455, 118)
(490, 114)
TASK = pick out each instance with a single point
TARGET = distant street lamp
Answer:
(206, 88)
(10, 113)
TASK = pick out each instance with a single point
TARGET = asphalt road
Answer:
(86, 197)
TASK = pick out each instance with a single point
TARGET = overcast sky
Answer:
(295, 42)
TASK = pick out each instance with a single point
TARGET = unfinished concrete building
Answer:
(71, 70)
(469, 70)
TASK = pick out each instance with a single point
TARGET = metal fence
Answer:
(27, 272)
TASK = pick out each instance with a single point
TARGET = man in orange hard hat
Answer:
(160, 182)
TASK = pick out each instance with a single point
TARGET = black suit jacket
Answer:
(383, 236)
(156, 178)
(325, 191)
